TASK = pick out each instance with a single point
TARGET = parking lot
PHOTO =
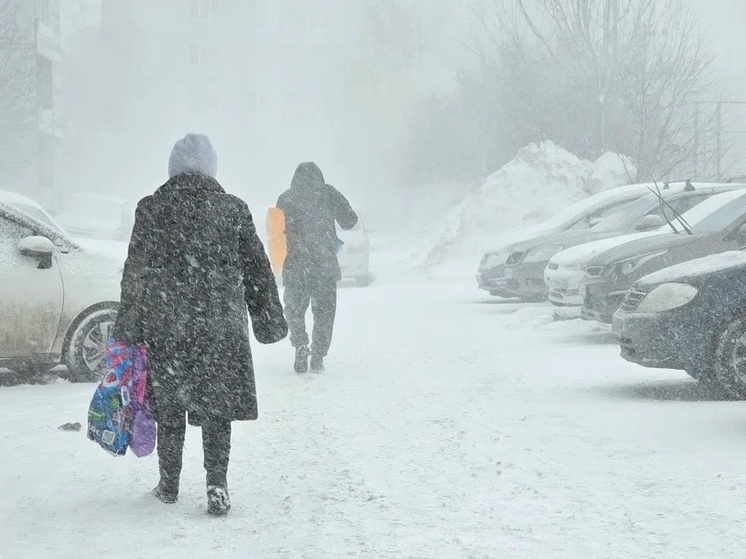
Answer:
(449, 424)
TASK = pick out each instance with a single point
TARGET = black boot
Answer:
(218, 501)
(171, 433)
(166, 491)
(216, 440)
(317, 363)
(301, 359)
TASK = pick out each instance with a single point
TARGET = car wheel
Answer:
(730, 358)
(86, 351)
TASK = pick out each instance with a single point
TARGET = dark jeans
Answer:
(216, 444)
(323, 301)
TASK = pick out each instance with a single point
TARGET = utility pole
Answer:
(719, 137)
(696, 140)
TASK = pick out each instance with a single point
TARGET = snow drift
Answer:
(542, 179)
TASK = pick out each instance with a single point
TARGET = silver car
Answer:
(58, 301)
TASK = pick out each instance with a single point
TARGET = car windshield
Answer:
(628, 213)
(37, 213)
(720, 218)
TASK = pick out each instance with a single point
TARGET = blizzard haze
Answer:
(537, 325)
(272, 83)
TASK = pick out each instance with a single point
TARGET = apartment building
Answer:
(34, 126)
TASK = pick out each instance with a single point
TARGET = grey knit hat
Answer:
(193, 154)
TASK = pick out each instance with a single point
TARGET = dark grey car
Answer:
(610, 274)
(524, 269)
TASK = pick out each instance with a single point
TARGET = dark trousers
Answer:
(216, 444)
(323, 301)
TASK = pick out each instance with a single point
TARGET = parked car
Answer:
(354, 256)
(579, 216)
(610, 273)
(97, 216)
(525, 266)
(566, 269)
(58, 301)
(690, 317)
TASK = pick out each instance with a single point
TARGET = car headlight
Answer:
(667, 296)
(626, 267)
(493, 259)
(539, 254)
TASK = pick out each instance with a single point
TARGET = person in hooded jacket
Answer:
(194, 266)
(311, 270)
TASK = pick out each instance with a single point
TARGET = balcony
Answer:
(48, 43)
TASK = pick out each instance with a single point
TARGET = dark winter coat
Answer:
(195, 264)
(311, 208)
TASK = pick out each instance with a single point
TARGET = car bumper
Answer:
(355, 265)
(564, 287)
(600, 304)
(526, 281)
(668, 340)
(493, 280)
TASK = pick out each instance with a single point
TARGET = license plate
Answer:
(560, 284)
(583, 290)
(616, 328)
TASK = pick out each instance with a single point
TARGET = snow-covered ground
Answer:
(448, 425)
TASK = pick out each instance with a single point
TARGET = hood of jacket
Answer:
(308, 177)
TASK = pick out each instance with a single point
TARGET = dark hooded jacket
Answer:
(311, 209)
(195, 265)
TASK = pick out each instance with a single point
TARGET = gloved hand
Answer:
(269, 329)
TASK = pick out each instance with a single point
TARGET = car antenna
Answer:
(676, 214)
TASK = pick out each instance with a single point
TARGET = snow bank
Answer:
(542, 179)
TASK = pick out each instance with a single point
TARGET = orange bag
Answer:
(278, 248)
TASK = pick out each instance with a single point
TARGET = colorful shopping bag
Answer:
(143, 428)
(119, 400)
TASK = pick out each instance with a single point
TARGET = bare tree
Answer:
(607, 75)
(18, 121)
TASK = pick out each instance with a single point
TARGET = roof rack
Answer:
(688, 186)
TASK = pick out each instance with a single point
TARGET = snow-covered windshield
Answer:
(582, 207)
(621, 218)
(39, 214)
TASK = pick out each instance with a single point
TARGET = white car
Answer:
(58, 302)
(97, 216)
(567, 269)
(354, 256)
(582, 215)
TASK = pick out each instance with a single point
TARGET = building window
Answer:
(44, 83)
(259, 9)
(204, 9)
(199, 55)
(44, 10)
(315, 25)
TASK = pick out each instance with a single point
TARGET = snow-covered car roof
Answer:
(698, 266)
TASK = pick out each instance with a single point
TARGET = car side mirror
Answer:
(650, 223)
(38, 247)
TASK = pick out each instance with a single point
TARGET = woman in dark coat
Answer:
(195, 264)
